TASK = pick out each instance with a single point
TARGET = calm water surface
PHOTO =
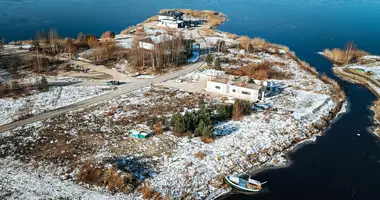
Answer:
(339, 165)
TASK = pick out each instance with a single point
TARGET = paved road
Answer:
(122, 90)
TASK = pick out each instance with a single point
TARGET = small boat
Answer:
(248, 186)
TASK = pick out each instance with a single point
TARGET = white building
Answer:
(171, 19)
(236, 87)
(151, 41)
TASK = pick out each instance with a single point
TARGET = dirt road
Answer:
(122, 90)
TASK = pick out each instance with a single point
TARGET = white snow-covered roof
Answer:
(158, 39)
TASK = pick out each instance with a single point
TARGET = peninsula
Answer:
(163, 110)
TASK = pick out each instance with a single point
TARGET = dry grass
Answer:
(200, 155)
(105, 177)
(255, 44)
(158, 128)
(127, 30)
(245, 42)
(261, 74)
(306, 66)
(258, 42)
(325, 78)
(207, 140)
(148, 193)
(207, 32)
(151, 19)
(337, 93)
(263, 71)
(279, 46)
(343, 56)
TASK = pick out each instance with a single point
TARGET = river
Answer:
(338, 165)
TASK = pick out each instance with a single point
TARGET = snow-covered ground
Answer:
(194, 76)
(374, 70)
(255, 141)
(35, 78)
(21, 181)
(125, 42)
(169, 164)
(144, 77)
(12, 109)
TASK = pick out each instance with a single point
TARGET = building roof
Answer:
(172, 13)
(171, 21)
(157, 39)
(236, 81)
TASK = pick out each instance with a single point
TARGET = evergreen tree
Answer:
(43, 85)
(217, 64)
(209, 59)
(178, 124)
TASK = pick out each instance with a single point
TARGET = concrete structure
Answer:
(171, 19)
(236, 87)
(151, 41)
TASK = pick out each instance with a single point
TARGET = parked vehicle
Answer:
(264, 106)
(257, 109)
(115, 83)
(139, 134)
(249, 185)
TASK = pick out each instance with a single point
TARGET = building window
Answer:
(217, 87)
(233, 90)
(246, 93)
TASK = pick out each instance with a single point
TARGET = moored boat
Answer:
(249, 185)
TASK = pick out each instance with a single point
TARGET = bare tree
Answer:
(80, 37)
(53, 36)
(70, 47)
(36, 44)
(93, 42)
(245, 42)
(349, 50)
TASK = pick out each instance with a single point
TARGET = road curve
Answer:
(122, 90)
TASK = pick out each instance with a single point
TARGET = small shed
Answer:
(139, 134)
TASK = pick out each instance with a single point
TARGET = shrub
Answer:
(207, 140)
(241, 108)
(208, 131)
(200, 155)
(258, 42)
(158, 129)
(146, 191)
(223, 112)
(209, 59)
(325, 79)
(217, 64)
(109, 177)
(108, 35)
(245, 42)
(205, 115)
(190, 121)
(43, 84)
(178, 124)
(199, 130)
